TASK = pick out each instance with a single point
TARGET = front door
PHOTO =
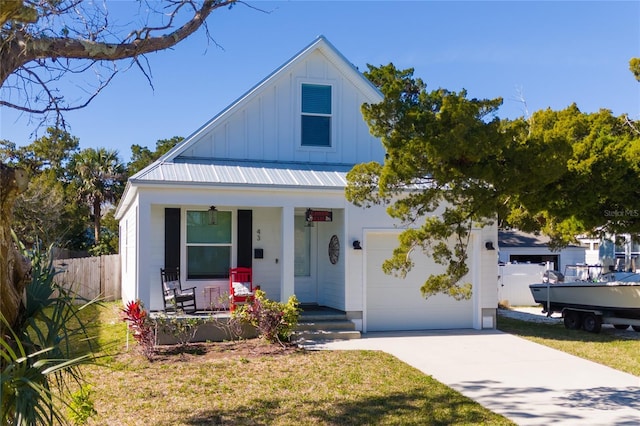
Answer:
(306, 287)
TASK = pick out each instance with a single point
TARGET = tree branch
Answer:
(65, 47)
(36, 53)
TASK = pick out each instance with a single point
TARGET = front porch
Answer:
(287, 253)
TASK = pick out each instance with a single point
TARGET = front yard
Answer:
(252, 383)
(248, 383)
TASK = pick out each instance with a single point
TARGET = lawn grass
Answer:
(292, 388)
(603, 348)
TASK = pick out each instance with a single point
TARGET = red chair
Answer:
(241, 289)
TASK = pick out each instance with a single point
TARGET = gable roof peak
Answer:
(320, 43)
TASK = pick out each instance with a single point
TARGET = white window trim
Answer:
(184, 272)
(334, 114)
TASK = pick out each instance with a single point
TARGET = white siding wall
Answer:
(567, 256)
(572, 256)
(359, 220)
(488, 263)
(486, 286)
(155, 248)
(331, 278)
(266, 124)
(128, 253)
(266, 271)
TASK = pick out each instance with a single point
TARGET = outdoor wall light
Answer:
(356, 245)
(213, 215)
(489, 245)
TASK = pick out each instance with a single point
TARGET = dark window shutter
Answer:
(245, 234)
(171, 238)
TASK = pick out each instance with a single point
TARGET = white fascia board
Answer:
(125, 201)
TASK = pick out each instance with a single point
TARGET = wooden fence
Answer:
(91, 277)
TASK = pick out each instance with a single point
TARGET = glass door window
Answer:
(302, 264)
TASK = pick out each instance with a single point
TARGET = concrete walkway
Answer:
(526, 382)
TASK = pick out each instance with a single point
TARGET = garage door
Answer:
(397, 304)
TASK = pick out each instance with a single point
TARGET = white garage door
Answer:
(397, 304)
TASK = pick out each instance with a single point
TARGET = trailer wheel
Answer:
(636, 328)
(621, 326)
(572, 320)
(591, 323)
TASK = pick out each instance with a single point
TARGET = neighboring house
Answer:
(614, 252)
(520, 247)
(274, 165)
(523, 258)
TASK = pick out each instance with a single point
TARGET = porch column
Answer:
(287, 257)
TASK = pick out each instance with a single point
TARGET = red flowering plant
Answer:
(140, 326)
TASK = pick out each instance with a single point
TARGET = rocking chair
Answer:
(176, 298)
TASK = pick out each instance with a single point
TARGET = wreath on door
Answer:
(334, 249)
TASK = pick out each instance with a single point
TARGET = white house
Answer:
(273, 163)
(520, 247)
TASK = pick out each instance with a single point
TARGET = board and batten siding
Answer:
(128, 253)
(265, 125)
(331, 277)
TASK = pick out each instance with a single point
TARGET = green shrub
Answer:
(183, 328)
(81, 406)
(275, 321)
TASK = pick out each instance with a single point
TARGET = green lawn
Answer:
(604, 348)
(292, 388)
(244, 386)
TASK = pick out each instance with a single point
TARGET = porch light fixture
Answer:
(308, 219)
(489, 245)
(213, 215)
(356, 245)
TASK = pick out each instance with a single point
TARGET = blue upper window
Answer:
(316, 115)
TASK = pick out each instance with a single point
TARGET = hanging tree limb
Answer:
(41, 41)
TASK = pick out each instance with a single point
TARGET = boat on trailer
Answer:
(590, 299)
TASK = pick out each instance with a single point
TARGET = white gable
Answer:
(264, 124)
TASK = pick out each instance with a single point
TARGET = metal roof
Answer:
(516, 238)
(238, 172)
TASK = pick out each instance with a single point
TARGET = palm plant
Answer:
(99, 176)
(39, 356)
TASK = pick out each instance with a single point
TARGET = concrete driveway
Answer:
(526, 382)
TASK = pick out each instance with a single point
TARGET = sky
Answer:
(533, 54)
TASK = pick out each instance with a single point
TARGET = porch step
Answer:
(318, 335)
(331, 324)
(318, 323)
